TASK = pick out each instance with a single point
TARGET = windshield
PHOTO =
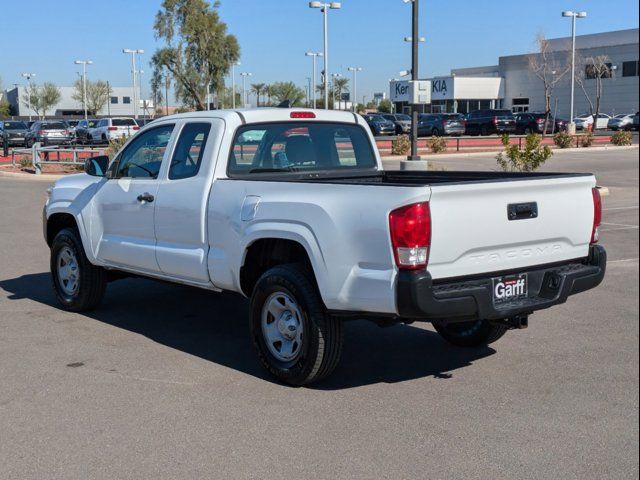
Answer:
(14, 126)
(404, 118)
(376, 118)
(302, 147)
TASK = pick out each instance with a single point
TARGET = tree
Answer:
(340, 85)
(549, 70)
(98, 93)
(385, 106)
(593, 68)
(282, 91)
(5, 108)
(258, 89)
(198, 53)
(41, 99)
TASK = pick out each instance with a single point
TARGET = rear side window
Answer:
(53, 126)
(187, 156)
(300, 147)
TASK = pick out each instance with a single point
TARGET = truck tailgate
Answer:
(472, 232)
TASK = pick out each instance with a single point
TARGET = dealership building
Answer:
(120, 103)
(512, 85)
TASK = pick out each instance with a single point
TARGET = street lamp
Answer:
(29, 76)
(233, 83)
(573, 16)
(84, 64)
(355, 71)
(324, 8)
(133, 53)
(314, 56)
(244, 76)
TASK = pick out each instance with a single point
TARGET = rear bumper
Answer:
(419, 298)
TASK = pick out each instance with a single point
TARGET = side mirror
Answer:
(97, 166)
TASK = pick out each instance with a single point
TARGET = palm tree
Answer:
(340, 85)
(258, 89)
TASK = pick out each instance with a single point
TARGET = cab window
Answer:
(187, 156)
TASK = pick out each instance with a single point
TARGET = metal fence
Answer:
(56, 155)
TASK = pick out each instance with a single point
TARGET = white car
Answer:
(624, 121)
(584, 121)
(308, 225)
(107, 129)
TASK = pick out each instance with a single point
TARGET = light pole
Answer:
(415, 45)
(244, 76)
(314, 57)
(324, 8)
(84, 64)
(133, 53)
(573, 15)
(355, 71)
(233, 83)
(29, 76)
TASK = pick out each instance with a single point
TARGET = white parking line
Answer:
(620, 225)
(620, 208)
(624, 260)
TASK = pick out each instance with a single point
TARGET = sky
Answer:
(274, 35)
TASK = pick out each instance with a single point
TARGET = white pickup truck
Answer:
(292, 208)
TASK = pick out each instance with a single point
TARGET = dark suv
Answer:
(379, 126)
(534, 123)
(488, 122)
(439, 124)
(13, 133)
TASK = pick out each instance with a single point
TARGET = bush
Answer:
(622, 139)
(586, 140)
(530, 159)
(115, 145)
(437, 144)
(401, 145)
(563, 140)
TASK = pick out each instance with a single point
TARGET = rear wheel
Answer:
(79, 285)
(436, 132)
(296, 340)
(484, 131)
(471, 334)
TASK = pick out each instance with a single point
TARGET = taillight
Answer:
(136, 128)
(539, 120)
(410, 228)
(597, 216)
(112, 129)
(495, 120)
(41, 132)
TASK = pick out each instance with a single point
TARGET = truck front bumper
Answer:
(419, 297)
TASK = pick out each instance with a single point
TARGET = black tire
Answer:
(320, 346)
(471, 334)
(527, 131)
(484, 131)
(92, 280)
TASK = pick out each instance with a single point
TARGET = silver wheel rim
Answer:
(68, 271)
(282, 327)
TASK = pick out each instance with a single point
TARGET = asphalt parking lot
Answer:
(162, 381)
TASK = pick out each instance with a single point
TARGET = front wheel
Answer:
(296, 340)
(79, 285)
(471, 334)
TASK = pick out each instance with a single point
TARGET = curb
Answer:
(45, 177)
(435, 156)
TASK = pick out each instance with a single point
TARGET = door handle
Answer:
(146, 197)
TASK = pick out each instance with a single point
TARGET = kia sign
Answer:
(442, 88)
(400, 91)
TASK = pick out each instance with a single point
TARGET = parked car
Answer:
(82, 130)
(586, 121)
(13, 133)
(439, 124)
(488, 122)
(635, 125)
(533, 122)
(315, 231)
(622, 121)
(108, 129)
(379, 125)
(72, 126)
(48, 132)
(402, 122)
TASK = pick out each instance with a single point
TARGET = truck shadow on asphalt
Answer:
(214, 326)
